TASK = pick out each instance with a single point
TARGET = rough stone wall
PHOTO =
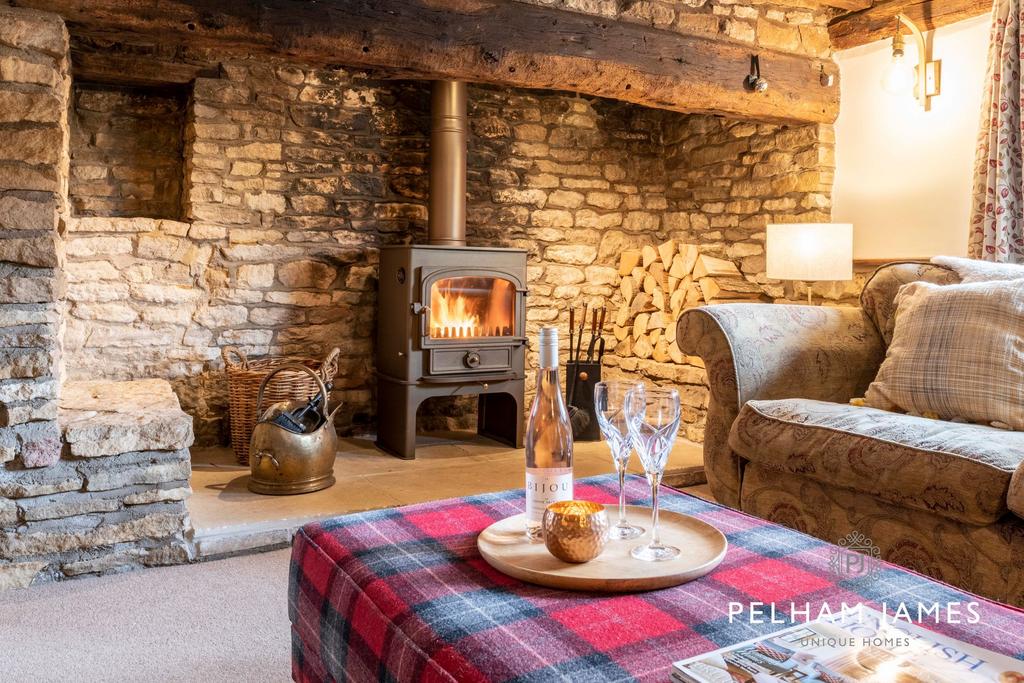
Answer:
(82, 490)
(561, 176)
(295, 176)
(114, 501)
(726, 181)
(280, 253)
(126, 151)
(33, 184)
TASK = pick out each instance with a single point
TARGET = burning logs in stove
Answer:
(468, 332)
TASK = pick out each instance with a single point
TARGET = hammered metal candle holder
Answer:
(575, 530)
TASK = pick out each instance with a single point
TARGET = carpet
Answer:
(225, 620)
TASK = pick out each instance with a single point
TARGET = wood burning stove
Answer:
(451, 319)
(448, 329)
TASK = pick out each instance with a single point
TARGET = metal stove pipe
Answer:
(446, 220)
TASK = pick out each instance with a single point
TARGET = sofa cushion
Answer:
(959, 471)
(957, 352)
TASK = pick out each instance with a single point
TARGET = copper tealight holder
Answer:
(575, 530)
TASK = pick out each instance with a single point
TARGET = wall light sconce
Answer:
(754, 81)
(900, 78)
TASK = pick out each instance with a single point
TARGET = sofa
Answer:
(784, 443)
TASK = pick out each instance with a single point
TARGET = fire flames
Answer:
(451, 316)
(470, 307)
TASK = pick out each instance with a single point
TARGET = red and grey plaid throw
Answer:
(403, 595)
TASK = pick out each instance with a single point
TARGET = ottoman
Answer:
(403, 595)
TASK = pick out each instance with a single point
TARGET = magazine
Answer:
(858, 644)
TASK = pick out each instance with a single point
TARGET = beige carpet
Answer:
(217, 621)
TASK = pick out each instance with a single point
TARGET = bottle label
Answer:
(546, 485)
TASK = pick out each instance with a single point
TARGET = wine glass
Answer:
(610, 404)
(652, 416)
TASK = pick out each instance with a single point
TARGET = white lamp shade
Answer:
(810, 251)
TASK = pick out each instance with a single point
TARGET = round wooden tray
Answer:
(505, 547)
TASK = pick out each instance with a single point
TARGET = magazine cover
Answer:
(859, 644)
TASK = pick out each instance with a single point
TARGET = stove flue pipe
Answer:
(446, 220)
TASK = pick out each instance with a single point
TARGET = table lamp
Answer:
(810, 252)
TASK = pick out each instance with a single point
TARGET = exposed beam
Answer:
(128, 69)
(876, 23)
(848, 5)
(501, 42)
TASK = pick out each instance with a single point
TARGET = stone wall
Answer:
(92, 475)
(34, 87)
(726, 181)
(126, 151)
(115, 500)
(295, 177)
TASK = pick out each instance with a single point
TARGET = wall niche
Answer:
(127, 147)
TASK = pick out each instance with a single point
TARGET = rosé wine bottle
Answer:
(548, 439)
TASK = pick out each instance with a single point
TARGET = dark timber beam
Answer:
(128, 69)
(501, 42)
(878, 22)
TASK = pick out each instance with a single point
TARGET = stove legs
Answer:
(499, 413)
(500, 417)
(396, 433)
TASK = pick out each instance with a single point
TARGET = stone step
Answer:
(113, 417)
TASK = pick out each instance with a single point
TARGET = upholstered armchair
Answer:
(761, 351)
(783, 442)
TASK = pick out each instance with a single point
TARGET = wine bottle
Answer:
(548, 439)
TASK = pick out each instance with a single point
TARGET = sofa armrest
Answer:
(767, 351)
(1015, 496)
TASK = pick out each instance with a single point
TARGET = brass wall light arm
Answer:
(927, 70)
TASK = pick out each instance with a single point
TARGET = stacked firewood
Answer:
(658, 283)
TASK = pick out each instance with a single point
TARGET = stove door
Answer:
(471, 306)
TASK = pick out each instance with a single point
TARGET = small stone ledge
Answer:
(105, 417)
(108, 224)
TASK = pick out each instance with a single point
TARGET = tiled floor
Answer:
(228, 518)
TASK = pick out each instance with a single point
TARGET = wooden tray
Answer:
(505, 547)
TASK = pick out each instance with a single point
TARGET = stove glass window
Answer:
(466, 307)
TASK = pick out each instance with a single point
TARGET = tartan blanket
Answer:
(403, 595)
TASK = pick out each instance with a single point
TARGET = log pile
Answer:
(656, 284)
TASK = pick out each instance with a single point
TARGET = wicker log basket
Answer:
(245, 377)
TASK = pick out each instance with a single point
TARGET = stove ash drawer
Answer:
(461, 361)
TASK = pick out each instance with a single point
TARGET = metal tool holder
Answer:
(584, 375)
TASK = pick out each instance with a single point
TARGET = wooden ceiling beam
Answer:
(848, 5)
(121, 68)
(501, 42)
(876, 22)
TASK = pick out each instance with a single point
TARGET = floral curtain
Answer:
(997, 207)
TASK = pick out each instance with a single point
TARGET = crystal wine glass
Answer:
(610, 404)
(652, 416)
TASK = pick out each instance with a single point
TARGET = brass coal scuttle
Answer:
(294, 443)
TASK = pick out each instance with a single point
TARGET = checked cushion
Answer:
(403, 595)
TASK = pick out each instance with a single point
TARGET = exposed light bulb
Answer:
(899, 76)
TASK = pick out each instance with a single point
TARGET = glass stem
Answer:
(655, 536)
(622, 494)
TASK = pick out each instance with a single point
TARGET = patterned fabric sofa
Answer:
(782, 441)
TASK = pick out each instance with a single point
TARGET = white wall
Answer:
(903, 175)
